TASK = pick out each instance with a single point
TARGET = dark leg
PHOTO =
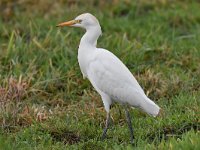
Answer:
(106, 127)
(128, 118)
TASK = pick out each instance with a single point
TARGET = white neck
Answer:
(87, 46)
(91, 36)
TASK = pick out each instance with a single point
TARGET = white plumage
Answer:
(108, 75)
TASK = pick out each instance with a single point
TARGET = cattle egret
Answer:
(108, 75)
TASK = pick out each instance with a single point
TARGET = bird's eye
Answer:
(78, 21)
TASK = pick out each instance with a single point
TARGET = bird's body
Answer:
(108, 75)
(113, 81)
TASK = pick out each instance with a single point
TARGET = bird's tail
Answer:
(150, 107)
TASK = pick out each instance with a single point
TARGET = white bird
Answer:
(108, 75)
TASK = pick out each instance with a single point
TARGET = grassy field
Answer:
(45, 103)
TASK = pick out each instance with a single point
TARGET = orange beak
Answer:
(68, 23)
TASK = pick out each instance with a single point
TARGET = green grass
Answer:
(45, 103)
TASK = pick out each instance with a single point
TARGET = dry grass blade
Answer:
(11, 96)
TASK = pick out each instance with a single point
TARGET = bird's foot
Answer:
(132, 141)
(103, 135)
(132, 138)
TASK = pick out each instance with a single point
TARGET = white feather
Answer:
(108, 75)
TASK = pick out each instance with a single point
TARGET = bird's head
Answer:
(85, 21)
